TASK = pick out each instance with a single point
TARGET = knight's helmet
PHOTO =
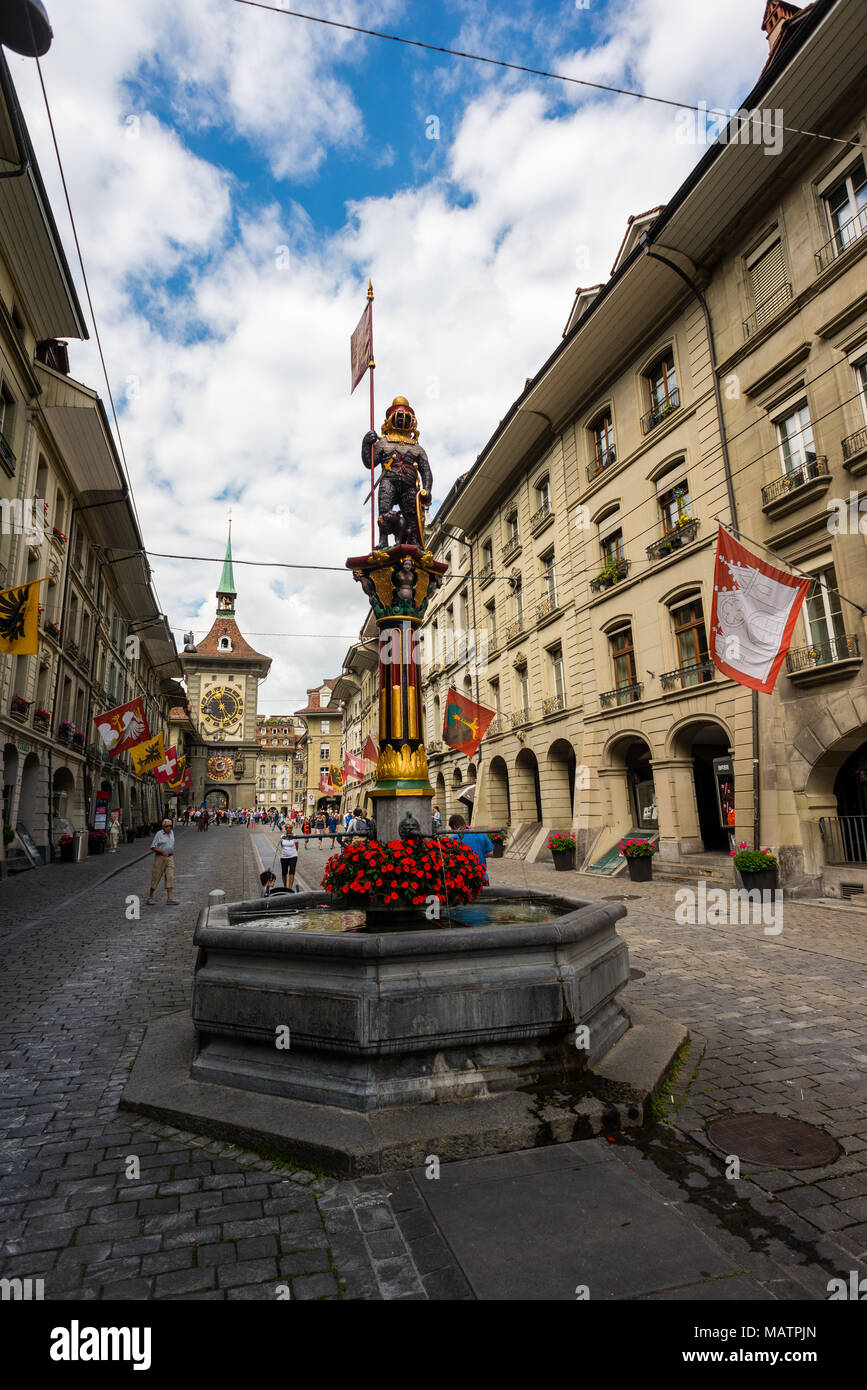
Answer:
(400, 419)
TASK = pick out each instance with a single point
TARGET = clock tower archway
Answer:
(223, 673)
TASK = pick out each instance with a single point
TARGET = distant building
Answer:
(321, 743)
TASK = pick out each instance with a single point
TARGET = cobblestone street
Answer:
(776, 1024)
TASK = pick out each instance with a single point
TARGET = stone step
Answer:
(715, 869)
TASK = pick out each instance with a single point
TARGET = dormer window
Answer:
(224, 644)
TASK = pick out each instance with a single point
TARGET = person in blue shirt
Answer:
(476, 840)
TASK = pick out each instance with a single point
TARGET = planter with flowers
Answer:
(562, 849)
(639, 858)
(498, 840)
(96, 841)
(58, 534)
(41, 718)
(396, 882)
(77, 738)
(66, 730)
(19, 706)
(54, 630)
(67, 849)
(758, 868)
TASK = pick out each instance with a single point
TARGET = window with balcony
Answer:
(663, 391)
(487, 569)
(518, 599)
(556, 682)
(604, 451)
(690, 637)
(549, 585)
(674, 507)
(846, 209)
(543, 494)
(491, 610)
(795, 439)
(513, 540)
(523, 686)
(823, 612)
(495, 697)
(626, 687)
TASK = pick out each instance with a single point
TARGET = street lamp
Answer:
(24, 27)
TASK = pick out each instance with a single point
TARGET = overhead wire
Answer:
(521, 67)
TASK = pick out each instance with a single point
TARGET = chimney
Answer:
(777, 12)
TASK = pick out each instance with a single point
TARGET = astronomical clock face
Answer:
(219, 768)
(222, 707)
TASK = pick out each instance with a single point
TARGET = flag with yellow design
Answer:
(19, 619)
(148, 755)
(335, 776)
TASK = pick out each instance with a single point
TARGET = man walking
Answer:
(163, 847)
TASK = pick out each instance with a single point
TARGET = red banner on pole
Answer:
(464, 723)
(123, 727)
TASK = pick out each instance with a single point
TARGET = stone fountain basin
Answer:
(378, 1020)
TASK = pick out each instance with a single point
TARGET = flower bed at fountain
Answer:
(403, 876)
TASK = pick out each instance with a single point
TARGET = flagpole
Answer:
(372, 417)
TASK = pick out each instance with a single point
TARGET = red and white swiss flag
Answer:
(353, 767)
(167, 770)
(755, 608)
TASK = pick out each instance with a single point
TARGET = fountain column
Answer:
(399, 582)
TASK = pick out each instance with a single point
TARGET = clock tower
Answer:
(222, 674)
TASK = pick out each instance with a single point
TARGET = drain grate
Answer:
(774, 1141)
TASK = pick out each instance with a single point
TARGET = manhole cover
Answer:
(637, 974)
(773, 1141)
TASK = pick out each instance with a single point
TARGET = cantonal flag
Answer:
(148, 755)
(19, 618)
(353, 767)
(168, 770)
(370, 750)
(182, 781)
(324, 784)
(123, 727)
(755, 607)
(360, 346)
(464, 723)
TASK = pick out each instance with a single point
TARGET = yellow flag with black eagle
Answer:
(19, 619)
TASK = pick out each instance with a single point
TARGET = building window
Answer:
(325, 726)
(491, 610)
(7, 414)
(543, 495)
(524, 691)
(691, 640)
(558, 685)
(846, 207)
(768, 282)
(602, 434)
(674, 507)
(795, 439)
(487, 557)
(512, 527)
(324, 752)
(823, 613)
(612, 549)
(662, 384)
(495, 696)
(623, 659)
(518, 598)
(549, 579)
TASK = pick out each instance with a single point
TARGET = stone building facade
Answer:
(321, 743)
(718, 376)
(281, 781)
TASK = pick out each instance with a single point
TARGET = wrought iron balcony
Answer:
(603, 459)
(854, 445)
(71, 648)
(495, 727)
(7, 454)
(697, 673)
(610, 575)
(835, 656)
(542, 515)
(546, 607)
(768, 309)
(512, 546)
(660, 412)
(520, 716)
(514, 629)
(680, 535)
(844, 237)
(792, 484)
(623, 695)
(553, 704)
(486, 573)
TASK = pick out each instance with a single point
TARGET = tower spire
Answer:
(226, 593)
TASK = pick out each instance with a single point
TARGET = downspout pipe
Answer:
(708, 323)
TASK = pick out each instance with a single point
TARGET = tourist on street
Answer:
(475, 840)
(437, 818)
(163, 847)
(305, 830)
(267, 879)
(332, 827)
(288, 860)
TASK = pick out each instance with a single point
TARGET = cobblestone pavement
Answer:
(777, 1024)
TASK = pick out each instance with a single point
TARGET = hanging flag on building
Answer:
(353, 767)
(122, 727)
(324, 785)
(19, 619)
(755, 607)
(370, 750)
(336, 777)
(181, 781)
(168, 770)
(148, 755)
(464, 723)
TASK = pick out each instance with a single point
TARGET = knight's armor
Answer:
(406, 479)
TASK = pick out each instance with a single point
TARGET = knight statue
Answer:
(405, 481)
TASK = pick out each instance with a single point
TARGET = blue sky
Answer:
(236, 177)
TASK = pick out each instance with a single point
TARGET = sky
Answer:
(237, 176)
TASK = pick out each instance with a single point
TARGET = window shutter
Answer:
(768, 274)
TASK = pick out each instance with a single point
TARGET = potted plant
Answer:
(67, 849)
(498, 840)
(96, 841)
(77, 738)
(20, 705)
(639, 858)
(41, 717)
(58, 534)
(8, 833)
(64, 733)
(758, 868)
(54, 630)
(562, 849)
